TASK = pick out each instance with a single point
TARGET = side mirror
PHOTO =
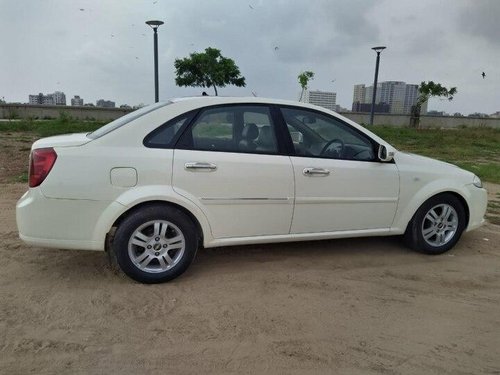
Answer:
(385, 155)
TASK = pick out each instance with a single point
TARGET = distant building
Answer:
(496, 114)
(339, 108)
(393, 93)
(369, 94)
(325, 99)
(398, 95)
(57, 98)
(105, 103)
(77, 101)
(478, 114)
(411, 97)
(367, 107)
(362, 100)
(41, 99)
(359, 94)
(437, 113)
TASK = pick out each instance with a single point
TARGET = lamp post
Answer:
(374, 91)
(154, 25)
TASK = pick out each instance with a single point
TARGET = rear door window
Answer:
(245, 129)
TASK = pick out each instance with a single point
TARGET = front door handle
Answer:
(200, 166)
(315, 172)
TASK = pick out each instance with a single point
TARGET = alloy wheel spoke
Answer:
(157, 226)
(176, 246)
(140, 243)
(163, 265)
(163, 230)
(450, 227)
(148, 259)
(141, 236)
(428, 233)
(167, 258)
(173, 240)
(432, 216)
(141, 257)
(446, 213)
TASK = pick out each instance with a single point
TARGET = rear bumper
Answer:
(61, 223)
(61, 244)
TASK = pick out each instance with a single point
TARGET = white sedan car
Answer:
(158, 183)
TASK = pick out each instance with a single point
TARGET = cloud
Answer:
(106, 51)
(480, 19)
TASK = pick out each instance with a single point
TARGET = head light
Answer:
(477, 182)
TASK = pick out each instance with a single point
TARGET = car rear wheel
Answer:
(437, 225)
(155, 244)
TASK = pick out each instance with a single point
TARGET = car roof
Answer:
(214, 100)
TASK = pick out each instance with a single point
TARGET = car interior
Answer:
(250, 129)
(235, 130)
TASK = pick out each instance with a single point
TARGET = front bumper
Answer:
(478, 201)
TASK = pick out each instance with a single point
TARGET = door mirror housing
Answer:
(385, 154)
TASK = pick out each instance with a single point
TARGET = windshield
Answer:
(119, 122)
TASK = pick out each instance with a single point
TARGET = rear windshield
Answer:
(119, 122)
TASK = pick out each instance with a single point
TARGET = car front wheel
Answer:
(155, 244)
(437, 225)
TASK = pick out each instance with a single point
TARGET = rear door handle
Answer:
(315, 172)
(200, 166)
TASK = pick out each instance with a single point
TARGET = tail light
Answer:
(41, 162)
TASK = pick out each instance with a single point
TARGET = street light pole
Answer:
(375, 81)
(154, 25)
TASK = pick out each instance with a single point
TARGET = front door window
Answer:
(316, 135)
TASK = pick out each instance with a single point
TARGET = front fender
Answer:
(414, 196)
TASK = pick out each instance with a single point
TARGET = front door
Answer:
(340, 186)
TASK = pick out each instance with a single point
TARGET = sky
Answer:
(102, 49)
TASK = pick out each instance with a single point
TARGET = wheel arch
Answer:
(457, 195)
(413, 195)
(141, 205)
(133, 200)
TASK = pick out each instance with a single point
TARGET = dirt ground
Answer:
(356, 306)
(14, 158)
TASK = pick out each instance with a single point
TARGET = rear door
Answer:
(231, 164)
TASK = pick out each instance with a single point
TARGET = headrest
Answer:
(265, 136)
(250, 131)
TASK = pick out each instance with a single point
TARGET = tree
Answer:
(207, 69)
(304, 79)
(426, 91)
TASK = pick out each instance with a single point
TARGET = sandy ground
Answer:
(357, 306)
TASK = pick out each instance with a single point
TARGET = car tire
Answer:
(155, 244)
(437, 225)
